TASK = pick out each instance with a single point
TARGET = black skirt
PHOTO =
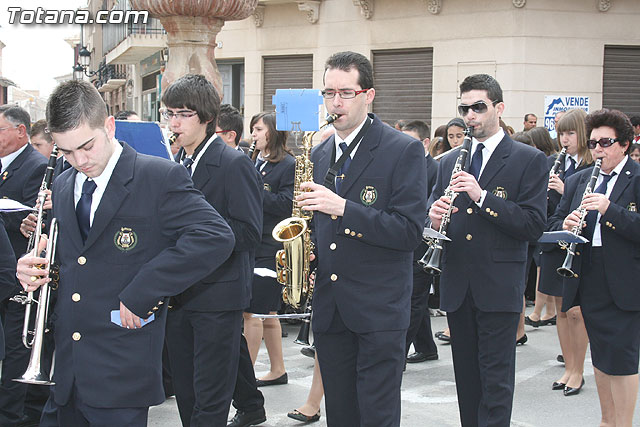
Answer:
(550, 281)
(266, 292)
(614, 334)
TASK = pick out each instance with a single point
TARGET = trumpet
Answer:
(34, 373)
(431, 260)
(566, 269)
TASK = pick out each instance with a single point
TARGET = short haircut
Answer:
(231, 119)
(276, 139)
(125, 114)
(419, 127)
(195, 92)
(573, 121)
(347, 61)
(635, 120)
(526, 116)
(39, 128)
(482, 82)
(74, 103)
(614, 119)
(16, 115)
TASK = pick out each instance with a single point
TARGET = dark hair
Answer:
(74, 103)
(40, 128)
(456, 122)
(441, 131)
(523, 137)
(634, 147)
(542, 140)
(614, 119)
(635, 120)
(526, 116)
(276, 139)
(195, 92)
(17, 116)
(346, 61)
(125, 114)
(231, 119)
(482, 82)
(399, 124)
(419, 127)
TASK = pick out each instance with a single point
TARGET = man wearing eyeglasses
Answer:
(22, 172)
(368, 218)
(204, 323)
(500, 207)
(606, 267)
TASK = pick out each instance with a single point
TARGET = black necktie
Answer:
(593, 215)
(83, 208)
(187, 162)
(571, 169)
(476, 161)
(259, 163)
(345, 167)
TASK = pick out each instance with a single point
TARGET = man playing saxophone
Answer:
(366, 222)
(501, 205)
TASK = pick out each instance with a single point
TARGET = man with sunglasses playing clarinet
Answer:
(606, 268)
(501, 206)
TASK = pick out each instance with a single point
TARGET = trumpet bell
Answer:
(32, 376)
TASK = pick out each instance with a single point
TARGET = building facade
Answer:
(420, 49)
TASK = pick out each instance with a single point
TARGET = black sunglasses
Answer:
(477, 107)
(604, 142)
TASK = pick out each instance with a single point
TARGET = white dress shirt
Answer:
(597, 236)
(490, 145)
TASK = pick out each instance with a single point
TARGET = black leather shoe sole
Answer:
(283, 379)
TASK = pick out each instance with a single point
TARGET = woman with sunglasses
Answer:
(275, 165)
(606, 267)
(569, 324)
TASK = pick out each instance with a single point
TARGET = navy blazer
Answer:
(488, 251)
(230, 183)
(620, 232)
(7, 275)
(153, 235)
(21, 182)
(277, 179)
(364, 257)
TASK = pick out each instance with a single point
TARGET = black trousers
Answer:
(246, 396)
(362, 375)
(484, 357)
(204, 348)
(419, 332)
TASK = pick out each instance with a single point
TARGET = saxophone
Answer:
(293, 262)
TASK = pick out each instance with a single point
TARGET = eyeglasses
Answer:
(168, 115)
(344, 94)
(477, 107)
(604, 142)
(8, 127)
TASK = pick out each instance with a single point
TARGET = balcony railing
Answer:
(113, 35)
(109, 72)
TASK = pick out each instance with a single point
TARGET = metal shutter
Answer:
(285, 72)
(403, 82)
(620, 88)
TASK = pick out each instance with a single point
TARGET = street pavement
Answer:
(429, 391)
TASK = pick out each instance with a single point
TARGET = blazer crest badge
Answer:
(125, 239)
(368, 195)
(500, 192)
(632, 207)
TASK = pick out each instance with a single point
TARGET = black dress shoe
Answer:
(282, 379)
(246, 419)
(309, 351)
(299, 416)
(418, 357)
(571, 391)
(534, 323)
(442, 337)
(549, 321)
(523, 339)
(558, 386)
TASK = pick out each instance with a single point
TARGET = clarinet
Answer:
(566, 269)
(431, 260)
(253, 153)
(559, 161)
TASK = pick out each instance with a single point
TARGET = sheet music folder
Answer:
(561, 236)
(430, 233)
